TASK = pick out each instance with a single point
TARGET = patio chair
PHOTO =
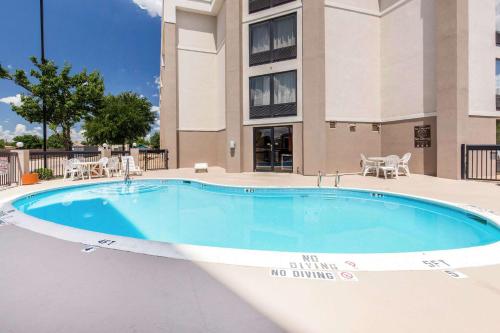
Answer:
(132, 168)
(403, 164)
(72, 168)
(113, 165)
(103, 166)
(367, 165)
(391, 165)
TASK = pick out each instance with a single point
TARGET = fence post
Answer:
(23, 156)
(105, 152)
(134, 152)
(463, 167)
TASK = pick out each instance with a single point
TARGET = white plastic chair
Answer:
(113, 165)
(391, 165)
(103, 166)
(367, 166)
(132, 168)
(72, 168)
(403, 164)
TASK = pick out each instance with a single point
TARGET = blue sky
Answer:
(120, 38)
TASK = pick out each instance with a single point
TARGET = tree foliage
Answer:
(154, 140)
(68, 98)
(122, 119)
(29, 141)
(55, 141)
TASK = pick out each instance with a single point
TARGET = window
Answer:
(258, 5)
(273, 40)
(497, 14)
(273, 95)
(497, 76)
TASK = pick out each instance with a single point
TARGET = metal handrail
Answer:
(337, 175)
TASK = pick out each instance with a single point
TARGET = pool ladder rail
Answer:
(336, 175)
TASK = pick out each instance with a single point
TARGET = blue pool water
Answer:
(295, 220)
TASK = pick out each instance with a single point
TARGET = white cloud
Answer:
(153, 7)
(77, 136)
(155, 108)
(157, 82)
(20, 129)
(12, 100)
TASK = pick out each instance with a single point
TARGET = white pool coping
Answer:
(486, 255)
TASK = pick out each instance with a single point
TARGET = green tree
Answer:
(122, 119)
(55, 141)
(154, 140)
(2, 144)
(29, 141)
(68, 98)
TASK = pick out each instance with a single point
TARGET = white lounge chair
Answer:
(403, 164)
(72, 169)
(132, 168)
(391, 165)
(201, 167)
(367, 166)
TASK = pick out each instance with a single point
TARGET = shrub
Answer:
(44, 174)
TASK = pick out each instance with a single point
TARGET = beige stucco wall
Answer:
(482, 53)
(352, 65)
(169, 96)
(199, 146)
(408, 88)
(397, 138)
(344, 147)
(368, 5)
(200, 72)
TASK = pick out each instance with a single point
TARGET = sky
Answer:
(119, 38)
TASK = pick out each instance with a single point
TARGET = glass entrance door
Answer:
(273, 149)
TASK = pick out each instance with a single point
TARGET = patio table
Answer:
(378, 160)
(90, 167)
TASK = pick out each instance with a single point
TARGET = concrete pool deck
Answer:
(49, 285)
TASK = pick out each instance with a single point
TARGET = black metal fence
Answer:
(481, 162)
(120, 153)
(153, 159)
(56, 159)
(10, 172)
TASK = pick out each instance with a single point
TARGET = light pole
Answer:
(44, 108)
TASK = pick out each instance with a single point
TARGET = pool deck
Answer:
(50, 285)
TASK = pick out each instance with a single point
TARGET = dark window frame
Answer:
(497, 63)
(273, 55)
(260, 5)
(272, 110)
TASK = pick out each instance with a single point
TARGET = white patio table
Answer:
(90, 167)
(378, 160)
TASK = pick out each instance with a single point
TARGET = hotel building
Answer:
(307, 85)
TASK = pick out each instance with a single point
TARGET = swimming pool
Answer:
(305, 220)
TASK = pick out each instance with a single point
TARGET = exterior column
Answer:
(313, 82)
(452, 72)
(168, 106)
(233, 87)
(23, 156)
